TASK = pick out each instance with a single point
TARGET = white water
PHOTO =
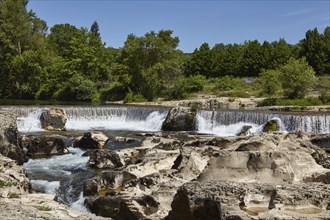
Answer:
(95, 118)
(229, 123)
(56, 167)
(45, 186)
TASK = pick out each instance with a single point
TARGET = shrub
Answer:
(115, 92)
(270, 83)
(76, 88)
(297, 78)
(130, 97)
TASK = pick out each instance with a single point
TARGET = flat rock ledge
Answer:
(174, 176)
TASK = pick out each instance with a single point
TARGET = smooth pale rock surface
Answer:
(53, 119)
(10, 140)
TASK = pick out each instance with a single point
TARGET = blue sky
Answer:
(194, 22)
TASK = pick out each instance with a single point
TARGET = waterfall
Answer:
(229, 122)
(89, 118)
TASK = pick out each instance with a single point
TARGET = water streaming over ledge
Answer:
(229, 122)
(95, 118)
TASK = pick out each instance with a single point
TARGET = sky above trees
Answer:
(194, 22)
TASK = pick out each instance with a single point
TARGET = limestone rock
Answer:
(179, 119)
(10, 140)
(40, 206)
(91, 140)
(53, 119)
(104, 159)
(13, 180)
(45, 146)
(107, 182)
(123, 139)
(233, 200)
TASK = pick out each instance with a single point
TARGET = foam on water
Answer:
(56, 166)
(79, 204)
(45, 186)
(95, 118)
(229, 123)
(152, 122)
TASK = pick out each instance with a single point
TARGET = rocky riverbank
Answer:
(179, 176)
(17, 201)
(211, 102)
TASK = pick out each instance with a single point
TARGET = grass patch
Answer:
(310, 101)
(13, 196)
(43, 208)
(6, 184)
(229, 86)
(2, 170)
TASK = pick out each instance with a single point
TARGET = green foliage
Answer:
(130, 97)
(270, 83)
(291, 102)
(146, 63)
(186, 85)
(76, 88)
(115, 92)
(297, 78)
(227, 83)
(316, 48)
(70, 63)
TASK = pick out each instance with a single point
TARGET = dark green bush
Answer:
(130, 97)
(115, 92)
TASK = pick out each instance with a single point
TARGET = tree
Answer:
(24, 52)
(201, 62)
(252, 61)
(315, 47)
(270, 84)
(144, 62)
(95, 30)
(297, 78)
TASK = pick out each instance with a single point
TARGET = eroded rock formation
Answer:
(10, 140)
(53, 119)
(267, 176)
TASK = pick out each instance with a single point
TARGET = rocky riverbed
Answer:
(180, 175)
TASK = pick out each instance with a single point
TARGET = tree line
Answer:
(70, 63)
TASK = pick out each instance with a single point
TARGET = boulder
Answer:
(104, 158)
(115, 207)
(271, 125)
(45, 146)
(179, 119)
(107, 182)
(233, 200)
(91, 140)
(10, 140)
(245, 130)
(53, 119)
(13, 180)
(322, 141)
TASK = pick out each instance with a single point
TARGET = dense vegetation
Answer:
(70, 63)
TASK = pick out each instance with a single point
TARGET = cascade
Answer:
(230, 121)
(88, 118)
